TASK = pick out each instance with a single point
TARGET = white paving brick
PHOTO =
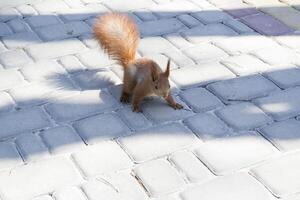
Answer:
(18, 25)
(282, 104)
(135, 120)
(26, 10)
(208, 126)
(103, 158)
(179, 58)
(63, 31)
(127, 5)
(177, 40)
(9, 156)
(291, 41)
(80, 105)
(245, 64)
(161, 60)
(10, 78)
(236, 186)
(101, 127)
(6, 103)
(69, 193)
(157, 141)
(31, 178)
(55, 49)
(281, 175)
(284, 135)
(62, 139)
(150, 45)
(206, 33)
(14, 58)
(22, 121)
(7, 14)
(89, 41)
(46, 7)
(225, 155)
(191, 166)
(202, 53)
(94, 59)
(243, 116)
(159, 177)
(200, 100)
(31, 147)
(71, 64)
(212, 16)
(97, 189)
(242, 88)
(20, 40)
(43, 197)
(210, 72)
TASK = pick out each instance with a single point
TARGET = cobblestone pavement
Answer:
(235, 67)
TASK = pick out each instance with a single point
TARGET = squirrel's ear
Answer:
(167, 72)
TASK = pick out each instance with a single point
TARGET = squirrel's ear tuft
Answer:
(167, 72)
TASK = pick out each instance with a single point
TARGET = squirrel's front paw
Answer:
(177, 106)
(124, 98)
(136, 109)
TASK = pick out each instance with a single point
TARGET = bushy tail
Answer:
(118, 36)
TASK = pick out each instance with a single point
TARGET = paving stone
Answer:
(95, 59)
(18, 25)
(7, 14)
(202, 53)
(71, 64)
(236, 186)
(208, 126)
(10, 78)
(22, 121)
(162, 60)
(89, 80)
(31, 178)
(42, 20)
(284, 135)
(179, 58)
(69, 193)
(160, 27)
(200, 100)
(4, 29)
(238, 26)
(136, 121)
(74, 3)
(293, 3)
(126, 5)
(211, 16)
(245, 64)
(55, 49)
(103, 158)
(207, 71)
(225, 155)
(282, 104)
(177, 40)
(280, 175)
(63, 31)
(43, 69)
(243, 116)
(145, 15)
(188, 20)
(89, 41)
(31, 147)
(242, 88)
(152, 45)
(266, 24)
(26, 10)
(80, 105)
(292, 41)
(206, 33)
(191, 166)
(46, 7)
(294, 197)
(157, 141)
(62, 139)
(100, 127)
(97, 189)
(159, 177)
(14, 58)
(7, 103)
(9, 156)
(43, 197)
(159, 111)
(285, 77)
(238, 9)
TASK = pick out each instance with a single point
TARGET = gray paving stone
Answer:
(238, 26)
(10, 183)
(243, 116)
(159, 177)
(71, 64)
(69, 193)
(4, 29)
(207, 71)
(95, 59)
(206, 33)
(284, 135)
(23, 121)
(55, 49)
(188, 20)
(14, 58)
(211, 16)
(236, 186)
(9, 156)
(81, 105)
(10, 78)
(208, 126)
(42, 20)
(100, 128)
(62, 139)
(8, 14)
(280, 175)
(282, 104)
(63, 31)
(226, 155)
(18, 25)
(157, 141)
(103, 158)
(200, 100)
(7, 103)
(145, 14)
(202, 53)
(150, 45)
(242, 88)
(31, 147)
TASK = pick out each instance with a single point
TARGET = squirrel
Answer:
(118, 35)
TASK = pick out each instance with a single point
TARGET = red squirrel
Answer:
(118, 35)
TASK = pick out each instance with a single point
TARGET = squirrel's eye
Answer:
(169, 86)
(156, 87)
